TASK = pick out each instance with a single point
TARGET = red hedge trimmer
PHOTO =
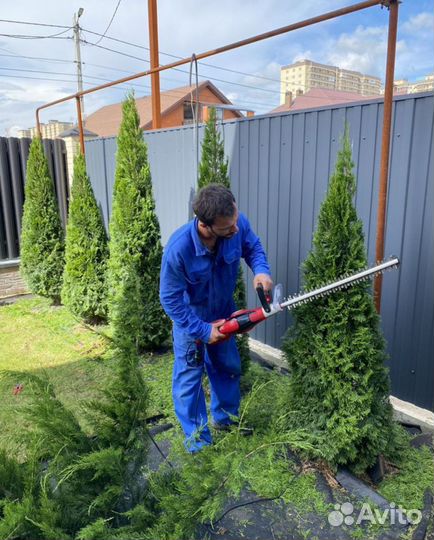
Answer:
(245, 319)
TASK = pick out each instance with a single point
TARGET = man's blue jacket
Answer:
(197, 286)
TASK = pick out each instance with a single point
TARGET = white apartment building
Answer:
(403, 86)
(48, 131)
(303, 75)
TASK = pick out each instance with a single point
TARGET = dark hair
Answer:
(212, 201)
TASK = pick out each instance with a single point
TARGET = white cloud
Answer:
(362, 50)
(196, 26)
(420, 22)
(34, 94)
(12, 131)
(365, 50)
(303, 55)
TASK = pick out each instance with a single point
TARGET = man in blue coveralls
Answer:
(198, 277)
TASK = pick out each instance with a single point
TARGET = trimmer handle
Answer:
(241, 321)
(264, 297)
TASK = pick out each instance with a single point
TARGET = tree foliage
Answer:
(213, 167)
(339, 385)
(86, 251)
(135, 313)
(72, 481)
(42, 237)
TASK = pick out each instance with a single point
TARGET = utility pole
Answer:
(76, 27)
(155, 77)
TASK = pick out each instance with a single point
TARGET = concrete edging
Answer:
(403, 411)
(408, 413)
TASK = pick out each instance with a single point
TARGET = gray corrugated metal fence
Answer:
(13, 161)
(279, 167)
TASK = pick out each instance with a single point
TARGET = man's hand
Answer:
(265, 280)
(216, 336)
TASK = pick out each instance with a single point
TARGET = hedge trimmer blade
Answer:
(244, 320)
(343, 283)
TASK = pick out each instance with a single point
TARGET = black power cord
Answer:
(210, 526)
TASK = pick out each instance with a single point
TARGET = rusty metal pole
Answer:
(385, 145)
(80, 123)
(38, 124)
(266, 35)
(155, 77)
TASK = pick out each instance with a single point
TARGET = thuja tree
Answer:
(135, 312)
(42, 237)
(339, 385)
(213, 168)
(86, 251)
(74, 484)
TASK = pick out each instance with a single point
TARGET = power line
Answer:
(47, 59)
(40, 58)
(109, 24)
(213, 66)
(111, 68)
(84, 63)
(143, 48)
(180, 57)
(142, 59)
(24, 36)
(36, 78)
(114, 51)
(128, 72)
(58, 80)
(63, 73)
(168, 92)
(59, 60)
(119, 40)
(34, 23)
(185, 71)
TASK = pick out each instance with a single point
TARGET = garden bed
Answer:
(252, 487)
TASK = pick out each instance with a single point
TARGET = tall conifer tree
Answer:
(135, 311)
(42, 236)
(86, 251)
(335, 349)
(213, 168)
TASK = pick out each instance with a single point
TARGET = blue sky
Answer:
(356, 41)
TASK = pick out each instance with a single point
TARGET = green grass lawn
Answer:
(43, 339)
(40, 338)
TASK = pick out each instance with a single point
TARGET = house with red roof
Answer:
(176, 109)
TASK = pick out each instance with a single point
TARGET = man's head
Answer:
(215, 207)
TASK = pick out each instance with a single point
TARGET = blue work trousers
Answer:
(221, 362)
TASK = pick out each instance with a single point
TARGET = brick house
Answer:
(176, 109)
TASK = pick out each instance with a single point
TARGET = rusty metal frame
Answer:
(392, 5)
(385, 145)
(260, 37)
(155, 77)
